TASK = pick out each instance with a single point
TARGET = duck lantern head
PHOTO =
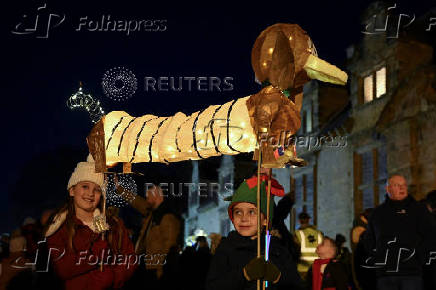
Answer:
(284, 58)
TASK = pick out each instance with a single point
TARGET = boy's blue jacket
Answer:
(235, 251)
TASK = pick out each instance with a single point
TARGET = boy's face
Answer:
(245, 219)
(326, 250)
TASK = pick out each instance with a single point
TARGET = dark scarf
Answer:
(399, 205)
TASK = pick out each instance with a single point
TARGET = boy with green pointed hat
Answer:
(235, 264)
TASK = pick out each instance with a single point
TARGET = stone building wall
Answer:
(335, 210)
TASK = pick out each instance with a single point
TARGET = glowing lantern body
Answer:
(219, 129)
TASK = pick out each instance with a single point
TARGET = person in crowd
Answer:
(15, 263)
(343, 255)
(235, 264)
(84, 243)
(429, 272)
(215, 240)
(43, 279)
(359, 226)
(307, 238)
(400, 232)
(32, 232)
(45, 217)
(202, 262)
(430, 202)
(281, 212)
(160, 232)
(4, 245)
(327, 272)
(364, 274)
(201, 244)
(187, 268)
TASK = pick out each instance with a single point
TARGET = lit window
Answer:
(374, 85)
(380, 78)
(368, 87)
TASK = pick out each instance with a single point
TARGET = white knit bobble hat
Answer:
(85, 171)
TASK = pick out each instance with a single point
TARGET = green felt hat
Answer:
(245, 193)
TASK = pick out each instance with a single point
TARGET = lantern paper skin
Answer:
(217, 130)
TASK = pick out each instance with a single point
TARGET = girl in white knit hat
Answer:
(83, 242)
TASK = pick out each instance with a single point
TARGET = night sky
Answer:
(44, 139)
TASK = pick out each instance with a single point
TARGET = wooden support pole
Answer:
(127, 167)
(268, 200)
(259, 162)
(104, 210)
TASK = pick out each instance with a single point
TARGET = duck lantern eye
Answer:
(311, 47)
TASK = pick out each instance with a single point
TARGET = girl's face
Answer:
(245, 219)
(86, 195)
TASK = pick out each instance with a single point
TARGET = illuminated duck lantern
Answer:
(283, 58)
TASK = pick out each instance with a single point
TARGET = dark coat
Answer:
(366, 277)
(396, 226)
(235, 251)
(429, 271)
(281, 212)
(335, 276)
(160, 232)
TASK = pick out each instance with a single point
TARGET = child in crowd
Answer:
(326, 272)
(235, 264)
(77, 250)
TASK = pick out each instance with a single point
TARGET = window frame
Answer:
(376, 181)
(373, 75)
